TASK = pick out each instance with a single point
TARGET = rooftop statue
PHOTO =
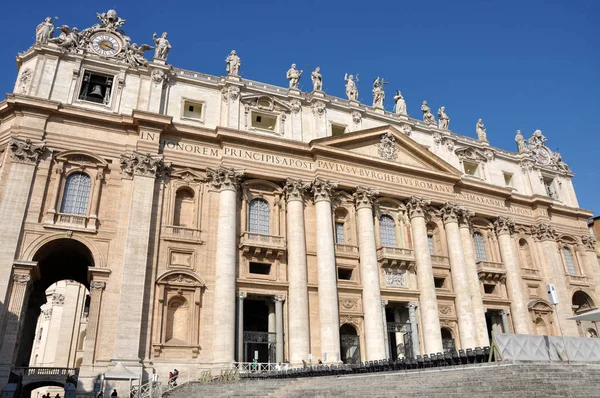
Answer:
(351, 90)
(558, 163)
(480, 128)
(317, 79)
(400, 104)
(293, 75)
(68, 40)
(521, 143)
(233, 62)
(110, 20)
(134, 54)
(378, 93)
(536, 140)
(428, 117)
(162, 46)
(444, 120)
(44, 31)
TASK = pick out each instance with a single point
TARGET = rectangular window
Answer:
(337, 130)
(508, 179)
(96, 87)
(550, 190)
(471, 169)
(430, 244)
(344, 274)
(263, 121)
(192, 110)
(569, 261)
(489, 288)
(260, 268)
(439, 282)
(339, 233)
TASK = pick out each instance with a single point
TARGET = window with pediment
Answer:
(76, 195)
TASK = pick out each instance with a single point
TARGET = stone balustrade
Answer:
(395, 257)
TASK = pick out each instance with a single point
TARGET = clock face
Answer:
(105, 44)
(542, 156)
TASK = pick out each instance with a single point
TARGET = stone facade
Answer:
(216, 219)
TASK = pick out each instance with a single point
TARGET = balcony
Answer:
(75, 222)
(347, 251)
(181, 233)
(261, 245)
(440, 261)
(491, 272)
(577, 280)
(531, 273)
(395, 257)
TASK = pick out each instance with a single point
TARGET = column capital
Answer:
(465, 217)
(242, 295)
(412, 305)
(224, 178)
(97, 285)
(21, 278)
(384, 303)
(143, 164)
(295, 189)
(504, 225)
(279, 298)
(589, 242)
(25, 151)
(323, 189)
(543, 231)
(451, 212)
(417, 206)
(363, 197)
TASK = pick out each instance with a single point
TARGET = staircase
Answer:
(513, 380)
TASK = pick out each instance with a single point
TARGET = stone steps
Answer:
(484, 380)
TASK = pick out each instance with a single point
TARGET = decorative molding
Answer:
(349, 304)
(58, 299)
(387, 147)
(504, 225)
(406, 129)
(279, 298)
(25, 151)
(544, 231)
(417, 206)
(24, 80)
(450, 212)
(47, 313)
(465, 217)
(295, 106)
(589, 242)
(230, 93)
(323, 189)
(20, 278)
(143, 164)
(394, 277)
(295, 189)
(224, 178)
(445, 310)
(356, 117)
(97, 285)
(319, 108)
(363, 197)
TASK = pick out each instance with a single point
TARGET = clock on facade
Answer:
(542, 156)
(105, 44)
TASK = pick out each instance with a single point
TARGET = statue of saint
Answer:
(521, 144)
(444, 120)
(44, 31)
(134, 54)
(481, 134)
(67, 40)
(351, 90)
(427, 115)
(233, 62)
(537, 139)
(162, 46)
(293, 75)
(400, 104)
(317, 79)
(378, 93)
(556, 159)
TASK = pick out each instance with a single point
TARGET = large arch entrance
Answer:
(349, 344)
(56, 299)
(582, 302)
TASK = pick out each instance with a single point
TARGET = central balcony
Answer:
(395, 257)
(181, 233)
(489, 271)
(261, 245)
(347, 251)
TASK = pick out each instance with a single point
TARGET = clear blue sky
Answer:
(527, 64)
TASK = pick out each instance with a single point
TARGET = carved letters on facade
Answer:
(25, 151)
(395, 277)
(387, 147)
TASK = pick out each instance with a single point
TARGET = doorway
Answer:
(349, 344)
(259, 330)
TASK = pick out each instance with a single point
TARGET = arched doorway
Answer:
(349, 344)
(448, 340)
(581, 302)
(62, 268)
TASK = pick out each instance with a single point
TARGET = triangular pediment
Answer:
(388, 144)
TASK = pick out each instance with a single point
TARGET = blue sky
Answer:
(524, 65)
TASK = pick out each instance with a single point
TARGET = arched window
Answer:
(258, 217)
(480, 252)
(177, 321)
(184, 208)
(569, 262)
(77, 194)
(448, 340)
(387, 231)
(591, 333)
(525, 254)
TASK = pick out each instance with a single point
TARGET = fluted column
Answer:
(326, 272)
(241, 296)
(226, 181)
(414, 328)
(386, 341)
(518, 305)
(279, 328)
(298, 318)
(369, 275)
(466, 238)
(142, 169)
(460, 281)
(430, 321)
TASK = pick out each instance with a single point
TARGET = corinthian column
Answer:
(142, 169)
(466, 238)
(369, 275)
(430, 321)
(591, 260)
(518, 306)
(226, 181)
(460, 280)
(299, 332)
(326, 270)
